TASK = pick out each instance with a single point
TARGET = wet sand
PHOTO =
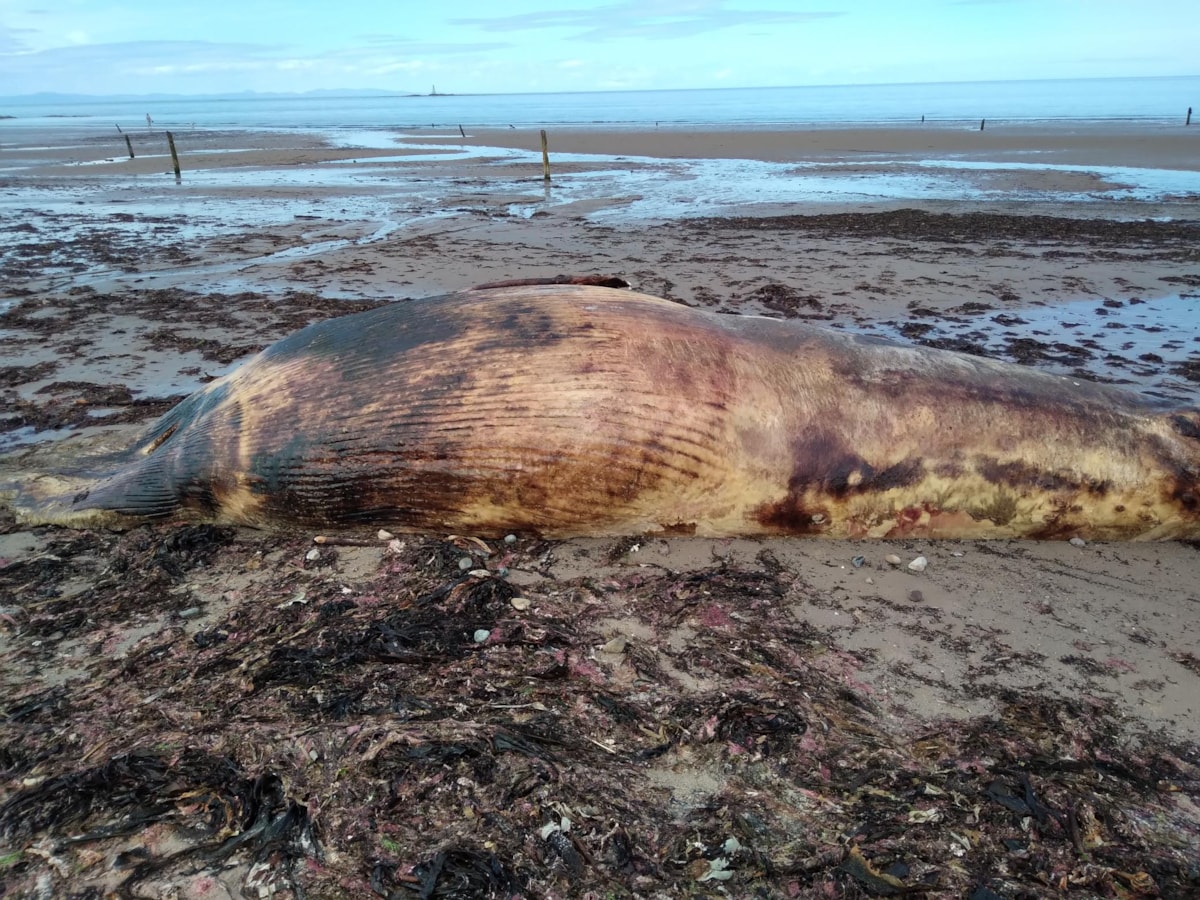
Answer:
(647, 679)
(1082, 144)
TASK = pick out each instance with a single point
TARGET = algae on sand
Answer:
(285, 724)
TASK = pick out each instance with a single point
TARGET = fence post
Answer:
(174, 155)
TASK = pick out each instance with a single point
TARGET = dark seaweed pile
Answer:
(1168, 237)
(420, 731)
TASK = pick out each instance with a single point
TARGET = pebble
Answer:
(616, 645)
(482, 635)
(916, 597)
(870, 580)
(466, 563)
(1078, 542)
(480, 573)
(313, 554)
(918, 564)
(892, 559)
(858, 561)
(384, 535)
(520, 603)
(510, 539)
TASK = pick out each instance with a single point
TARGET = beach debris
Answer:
(470, 544)
(481, 635)
(466, 563)
(858, 562)
(384, 535)
(558, 838)
(886, 883)
(892, 559)
(1078, 542)
(338, 541)
(298, 599)
(711, 869)
(520, 603)
(919, 564)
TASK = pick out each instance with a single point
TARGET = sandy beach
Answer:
(202, 711)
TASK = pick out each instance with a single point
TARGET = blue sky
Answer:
(472, 46)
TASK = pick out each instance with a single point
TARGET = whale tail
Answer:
(84, 486)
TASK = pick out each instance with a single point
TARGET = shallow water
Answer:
(1139, 343)
(380, 198)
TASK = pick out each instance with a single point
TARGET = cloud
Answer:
(656, 19)
(12, 42)
(189, 66)
(395, 44)
(138, 54)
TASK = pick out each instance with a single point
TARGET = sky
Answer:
(516, 46)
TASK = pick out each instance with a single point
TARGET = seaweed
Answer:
(375, 719)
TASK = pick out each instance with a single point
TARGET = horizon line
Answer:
(417, 94)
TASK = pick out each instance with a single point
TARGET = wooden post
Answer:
(982, 122)
(545, 157)
(460, 131)
(1188, 121)
(174, 155)
(129, 144)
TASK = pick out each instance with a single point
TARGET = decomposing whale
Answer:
(564, 410)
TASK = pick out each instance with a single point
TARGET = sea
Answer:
(1142, 100)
